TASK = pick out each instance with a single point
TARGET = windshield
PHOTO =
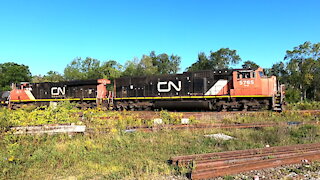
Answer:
(261, 73)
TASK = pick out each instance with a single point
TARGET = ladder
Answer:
(278, 100)
(277, 103)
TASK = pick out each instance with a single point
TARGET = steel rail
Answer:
(255, 165)
(231, 162)
(216, 155)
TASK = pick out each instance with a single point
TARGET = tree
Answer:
(13, 73)
(165, 64)
(140, 67)
(221, 59)
(224, 57)
(202, 63)
(90, 68)
(51, 76)
(80, 69)
(303, 64)
(146, 67)
(152, 64)
(111, 69)
(130, 68)
(250, 65)
(279, 70)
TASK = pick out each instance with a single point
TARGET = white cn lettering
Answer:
(169, 84)
(56, 91)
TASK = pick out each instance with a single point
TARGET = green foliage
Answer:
(271, 117)
(111, 70)
(130, 68)
(279, 70)
(152, 64)
(301, 72)
(135, 155)
(292, 95)
(5, 120)
(90, 68)
(220, 59)
(165, 64)
(51, 76)
(250, 65)
(170, 118)
(304, 105)
(305, 133)
(80, 69)
(202, 63)
(13, 73)
(66, 113)
(146, 67)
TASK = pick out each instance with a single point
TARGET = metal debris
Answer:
(49, 129)
(219, 136)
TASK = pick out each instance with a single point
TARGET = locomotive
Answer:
(87, 93)
(211, 90)
(217, 90)
(4, 98)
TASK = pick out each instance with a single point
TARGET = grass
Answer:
(304, 105)
(272, 117)
(120, 155)
(128, 155)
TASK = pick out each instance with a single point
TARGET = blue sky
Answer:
(47, 35)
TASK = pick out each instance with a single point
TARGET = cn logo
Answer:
(56, 91)
(166, 86)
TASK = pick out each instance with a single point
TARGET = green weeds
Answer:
(129, 155)
(121, 155)
(305, 105)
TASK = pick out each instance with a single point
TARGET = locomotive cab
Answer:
(253, 82)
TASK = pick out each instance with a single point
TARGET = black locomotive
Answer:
(222, 90)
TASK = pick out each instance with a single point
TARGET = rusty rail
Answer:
(155, 128)
(202, 115)
(212, 165)
(220, 126)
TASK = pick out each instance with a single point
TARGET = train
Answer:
(207, 90)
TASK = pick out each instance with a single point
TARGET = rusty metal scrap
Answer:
(212, 165)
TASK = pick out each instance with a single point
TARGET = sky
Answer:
(48, 35)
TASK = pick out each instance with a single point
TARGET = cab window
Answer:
(261, 74)
(244, 75)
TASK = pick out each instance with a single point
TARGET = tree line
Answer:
(299, 69)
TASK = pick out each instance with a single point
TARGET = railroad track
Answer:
(213, 165)
(152, 114)
(197, 127)
(220, 126)
(205, 115)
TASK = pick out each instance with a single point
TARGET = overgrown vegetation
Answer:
(66, 113)
(128, 155)
(271, 117)
(312, 105)
(120, 154)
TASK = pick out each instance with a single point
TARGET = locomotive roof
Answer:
(73, 83)
(218, 71)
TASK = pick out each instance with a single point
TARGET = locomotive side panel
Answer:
(186, 84)
(93, 92)
(64, 90)
(211, 83)
(239, 89)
